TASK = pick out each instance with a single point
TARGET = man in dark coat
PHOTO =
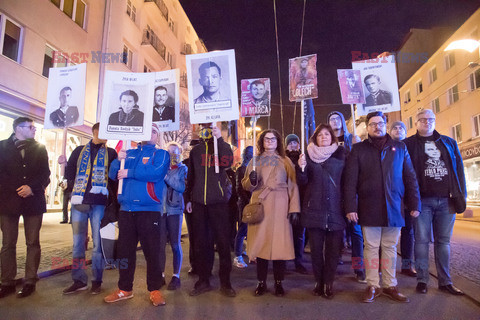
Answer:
(378, 175)
(441, 177)
(24, 175)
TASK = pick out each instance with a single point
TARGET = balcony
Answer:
(149, 38)
(186, 49)
(183, 81)
(161, 6)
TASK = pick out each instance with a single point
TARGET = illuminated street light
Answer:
(466, 44)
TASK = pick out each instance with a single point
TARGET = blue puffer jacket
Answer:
(143, 187)
(175, 187)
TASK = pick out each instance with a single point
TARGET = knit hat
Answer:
(291, 137)
(398, 123)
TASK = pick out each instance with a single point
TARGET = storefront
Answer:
(471, 161)
(52, 139)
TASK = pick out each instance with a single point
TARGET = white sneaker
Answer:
(239, 263)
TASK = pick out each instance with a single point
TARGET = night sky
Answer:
(333, 29)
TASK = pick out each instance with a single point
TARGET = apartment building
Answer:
(449, 84)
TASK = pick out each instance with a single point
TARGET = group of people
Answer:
(341, 190)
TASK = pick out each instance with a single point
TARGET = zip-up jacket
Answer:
(175, 187)
(376, 181)
(143, 187)
(457, 185)
(204, 186)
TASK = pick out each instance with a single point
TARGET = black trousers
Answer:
(325, 250)
(278, 269)
(66, 199)
(211, 224)
(143, 226)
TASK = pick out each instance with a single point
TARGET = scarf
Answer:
(84, 170)
(21, 144)
(379, 142)
(320, 154)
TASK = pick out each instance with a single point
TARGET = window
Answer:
(75, 9)
(171, 59)
(452, 95)
(474, 82)
(10, 38)
(127, 56)
(131, 10)
(407, 97)
(419, 87)
(146, 68)
(476, 125)
(171, 25)
(435, 105)
(410, 123)
(47, 60)
(432, 75)
(457, 132)
(449, 60)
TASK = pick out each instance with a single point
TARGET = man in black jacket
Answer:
(378, 174)
(88, 167)
(24, 175)
(439, 167)
(207, 198)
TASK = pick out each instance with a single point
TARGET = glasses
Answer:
(376, 124)
(427, 120)
(273, 139)
(30, 127)
(334, 119)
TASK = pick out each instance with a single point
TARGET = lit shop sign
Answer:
(471, 152)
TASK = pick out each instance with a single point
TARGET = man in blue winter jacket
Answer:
(140, 214)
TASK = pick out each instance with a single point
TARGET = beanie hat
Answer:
(291, 137)
(398, 123)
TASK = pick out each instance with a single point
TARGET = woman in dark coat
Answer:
(322, 210)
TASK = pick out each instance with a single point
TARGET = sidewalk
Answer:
(49, 303)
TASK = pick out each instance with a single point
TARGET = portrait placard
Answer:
(212, 86)
(380, 86)
(166, 104)
(351, 87)
(303, 78)
(127, 106)
(65, 97)
(255, 97)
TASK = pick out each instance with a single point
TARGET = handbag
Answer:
(253, 212)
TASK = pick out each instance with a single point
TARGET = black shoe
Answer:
(228, 291)
(421, 287)
(200, 287)
(96, 287)
(409, 272)
(6, 290)
(450, 288)
(318, 290)
(63, 222)
(27, 290)
(174, 284)
(279, 292)
(329, 291)
(261, 288)
(76, 286)
(300, 268)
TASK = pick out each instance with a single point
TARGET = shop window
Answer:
(10, 36)
(457, 132)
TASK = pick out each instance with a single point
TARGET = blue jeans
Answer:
(241, 234)
(435, 213)
(357, 248)
(80, 227)
(171, 226)
(406, 242)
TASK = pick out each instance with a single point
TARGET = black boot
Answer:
(279, 292)
(329, 291)
(318, 290)
(261, 288)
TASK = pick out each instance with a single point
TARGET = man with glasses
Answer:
(378, 175)
(353, 231)
(24, 175)
(439, 167)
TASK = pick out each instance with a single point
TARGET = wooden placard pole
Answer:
(125, 146)
(254, 142)
(215, 152)
(353, 120)
(302, 118)
(64, 152)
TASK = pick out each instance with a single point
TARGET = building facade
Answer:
(449, 84)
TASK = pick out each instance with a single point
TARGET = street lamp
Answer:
(466, 44)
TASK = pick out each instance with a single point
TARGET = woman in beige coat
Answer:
(272, 239)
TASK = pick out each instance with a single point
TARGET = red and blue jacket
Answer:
(143, 187)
